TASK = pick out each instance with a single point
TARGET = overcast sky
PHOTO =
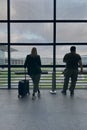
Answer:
(43, 32)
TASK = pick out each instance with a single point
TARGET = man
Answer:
(72, 61)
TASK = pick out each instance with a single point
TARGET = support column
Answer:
(53, 91)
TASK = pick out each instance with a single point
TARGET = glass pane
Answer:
(32, 9)
(3, 77)
(45, 81)
(81, 81)
(3, 9)
(18, 56)
(3, 55)
(32, 33)
(71, 32)
(60, 52)
(3, 33)
(71, 9)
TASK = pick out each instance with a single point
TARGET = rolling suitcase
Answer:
(23, 87)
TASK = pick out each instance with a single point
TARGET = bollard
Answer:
(53, 91)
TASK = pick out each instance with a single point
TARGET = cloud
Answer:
(32, 32)
(72, 9)
(3, 32)
(72, 32)
(35, 9)
(3, 9)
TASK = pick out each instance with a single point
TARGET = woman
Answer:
(33, 64)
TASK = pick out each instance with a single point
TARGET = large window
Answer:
(31, 9)
(3, 32)
(52, 26)
(71, 9)
(3, 9)
(45, 52)
(71, 32)
(32, 33)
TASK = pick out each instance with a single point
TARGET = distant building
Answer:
(4, 49)
(44, 61)
(15, 61)
(84, 59)
(2, 57)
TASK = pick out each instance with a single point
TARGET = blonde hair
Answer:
(34, 51)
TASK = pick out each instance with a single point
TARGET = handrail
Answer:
(46, 78)
(22, 72)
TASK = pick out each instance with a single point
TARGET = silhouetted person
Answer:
(33, 64)
(72, 61)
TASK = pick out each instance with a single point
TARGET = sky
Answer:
(43, 32)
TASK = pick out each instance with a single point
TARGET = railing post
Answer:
(53, 91)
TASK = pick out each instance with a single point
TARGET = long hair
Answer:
(34, 51)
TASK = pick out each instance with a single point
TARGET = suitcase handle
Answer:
(25, 73)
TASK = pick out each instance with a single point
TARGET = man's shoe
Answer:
(38, 94)
(71, 93)
(63, 92)
(33, 97)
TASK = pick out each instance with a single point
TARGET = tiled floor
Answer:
(50, 112)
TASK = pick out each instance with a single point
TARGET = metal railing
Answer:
(48, 80)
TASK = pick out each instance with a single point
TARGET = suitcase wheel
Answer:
(18, 96)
